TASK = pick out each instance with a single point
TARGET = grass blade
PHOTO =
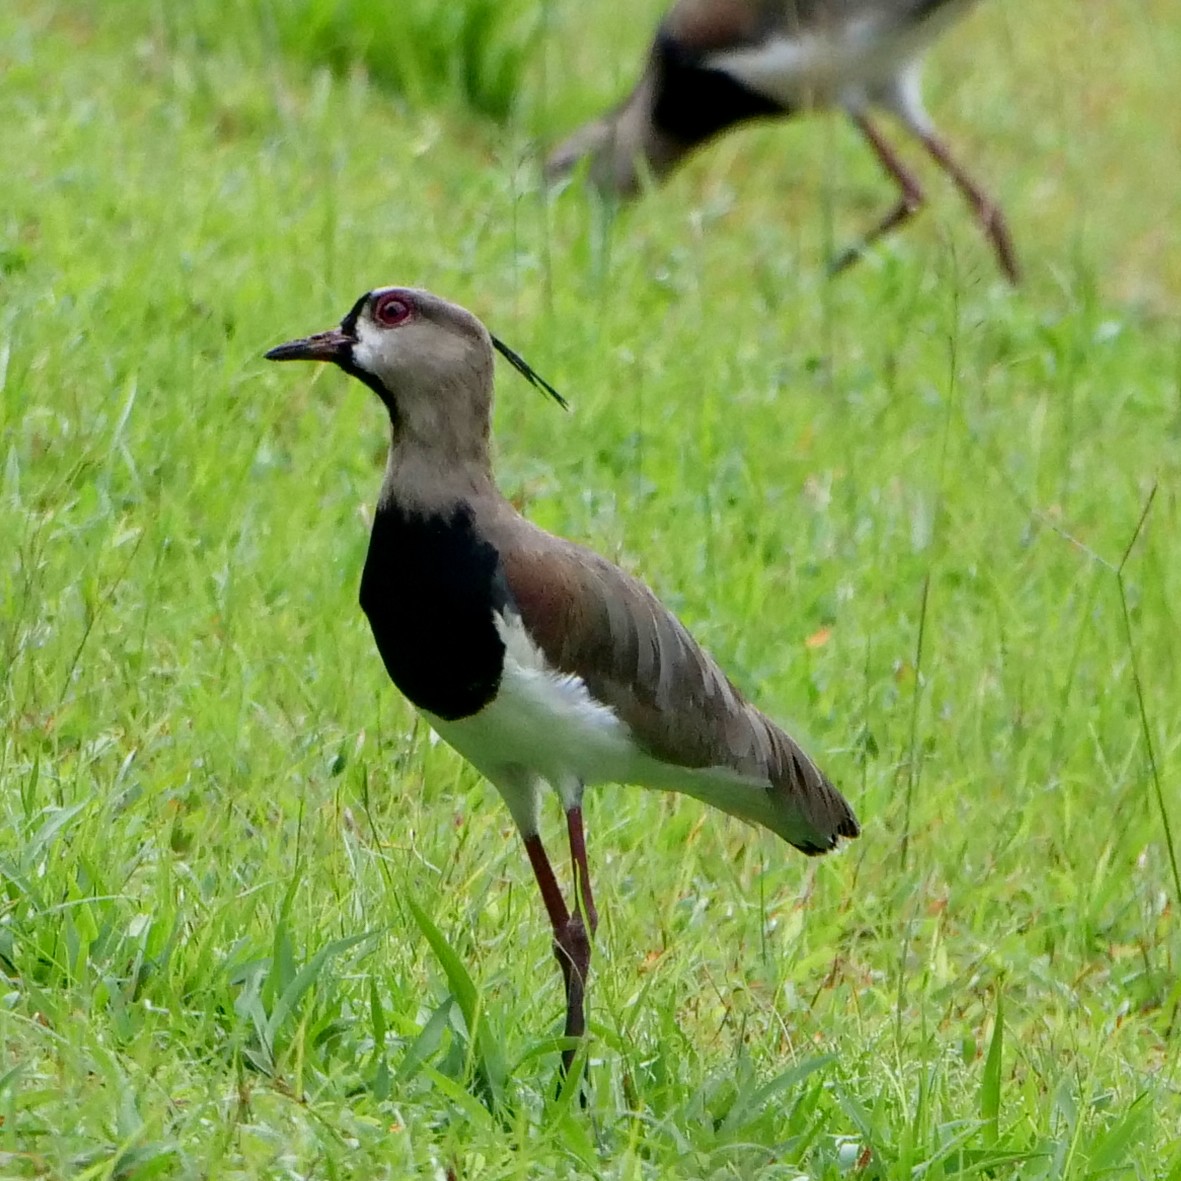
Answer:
(749, 1108)
(990, 1086)
(489, 1060)
(291, 996)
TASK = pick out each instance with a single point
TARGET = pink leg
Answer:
(551, 894)
(582, 885)
(910, 198)
(988, 212)
(571, 943)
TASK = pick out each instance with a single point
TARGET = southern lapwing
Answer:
(536, 659)
(718, 63)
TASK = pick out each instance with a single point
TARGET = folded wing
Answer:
(592, 620)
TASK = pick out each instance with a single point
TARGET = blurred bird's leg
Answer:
(988, 212)
(910, 198)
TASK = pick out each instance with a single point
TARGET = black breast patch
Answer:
(695, 103)
(430, 588)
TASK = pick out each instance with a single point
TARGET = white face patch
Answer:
(371, 344)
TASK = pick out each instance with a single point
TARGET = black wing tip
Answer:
(846, 827)
(835, 818)
(848, 830)
(814, 850)
(528, 372)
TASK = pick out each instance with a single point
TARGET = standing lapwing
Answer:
(536, 659)
(718, 63)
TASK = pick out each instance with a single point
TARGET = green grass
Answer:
(468, 52)
(256, 923)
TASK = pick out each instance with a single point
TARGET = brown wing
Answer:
(594, 621)
(707, 25)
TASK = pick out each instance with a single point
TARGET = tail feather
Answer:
(821, 816)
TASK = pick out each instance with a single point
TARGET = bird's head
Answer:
(429, 361)
(411, 348)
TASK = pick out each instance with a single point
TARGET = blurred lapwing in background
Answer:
(536, 659)
(715, 64)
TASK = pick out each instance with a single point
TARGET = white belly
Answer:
(542, 722)
(852, 65)
(546, 724)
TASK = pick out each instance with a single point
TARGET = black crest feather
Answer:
(528, 372)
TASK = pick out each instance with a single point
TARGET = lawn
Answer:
(257, 923)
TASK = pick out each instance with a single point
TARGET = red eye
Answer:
(391, 310)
